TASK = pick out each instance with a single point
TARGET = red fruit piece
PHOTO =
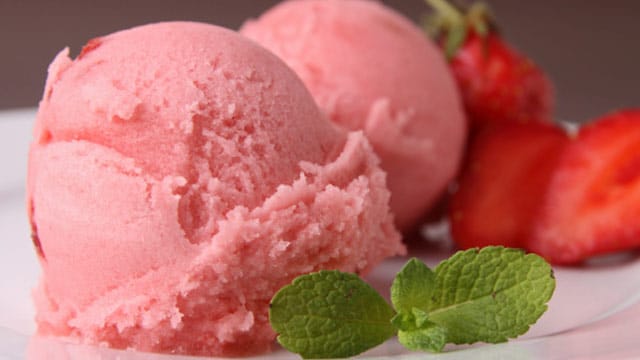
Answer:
(507, 172)
(592, 205)
(498, 84)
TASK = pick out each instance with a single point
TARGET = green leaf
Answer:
(420, 316)
(490, 295)
(430, 337)
(455, 39)
(412, 286)
(415, 319)
(416, 332)
(479, 17)
(330, 314)
(433, 25)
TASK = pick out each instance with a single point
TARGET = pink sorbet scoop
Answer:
(179, 175)
(370, 68)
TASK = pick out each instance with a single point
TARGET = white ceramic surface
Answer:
(595, 311)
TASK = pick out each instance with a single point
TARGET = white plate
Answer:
(594, 313)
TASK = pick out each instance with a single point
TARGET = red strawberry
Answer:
(507, 172)
(498, 84)
(592, 205)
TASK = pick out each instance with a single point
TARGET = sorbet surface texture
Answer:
(179, 175)
(370, 68)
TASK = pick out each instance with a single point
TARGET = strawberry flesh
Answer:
(507, 172)
(592, 205)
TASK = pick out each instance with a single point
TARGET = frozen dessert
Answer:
(370, 68)
(178, 176)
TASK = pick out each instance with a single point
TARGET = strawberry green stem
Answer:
(447, 10)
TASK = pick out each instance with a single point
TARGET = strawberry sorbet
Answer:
(179, 175)
(370, 68)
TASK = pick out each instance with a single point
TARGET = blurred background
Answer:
(591, 49)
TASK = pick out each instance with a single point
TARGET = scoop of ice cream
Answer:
(370, 68)
(179, 175)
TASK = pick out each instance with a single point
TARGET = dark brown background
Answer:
(590, 48)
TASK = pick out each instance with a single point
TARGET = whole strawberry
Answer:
(498, 85)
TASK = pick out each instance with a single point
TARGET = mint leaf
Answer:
(421, 317)
(490, 295)
(416, 332)
(330, 314)
(410, 293)
(412, 320)
(430, 337)
(412, 286)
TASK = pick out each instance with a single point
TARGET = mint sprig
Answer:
(487, 295)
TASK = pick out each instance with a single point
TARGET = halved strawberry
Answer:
(507, 172)
(592, 205)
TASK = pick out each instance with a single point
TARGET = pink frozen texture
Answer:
(370, 68)
(179, 176)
